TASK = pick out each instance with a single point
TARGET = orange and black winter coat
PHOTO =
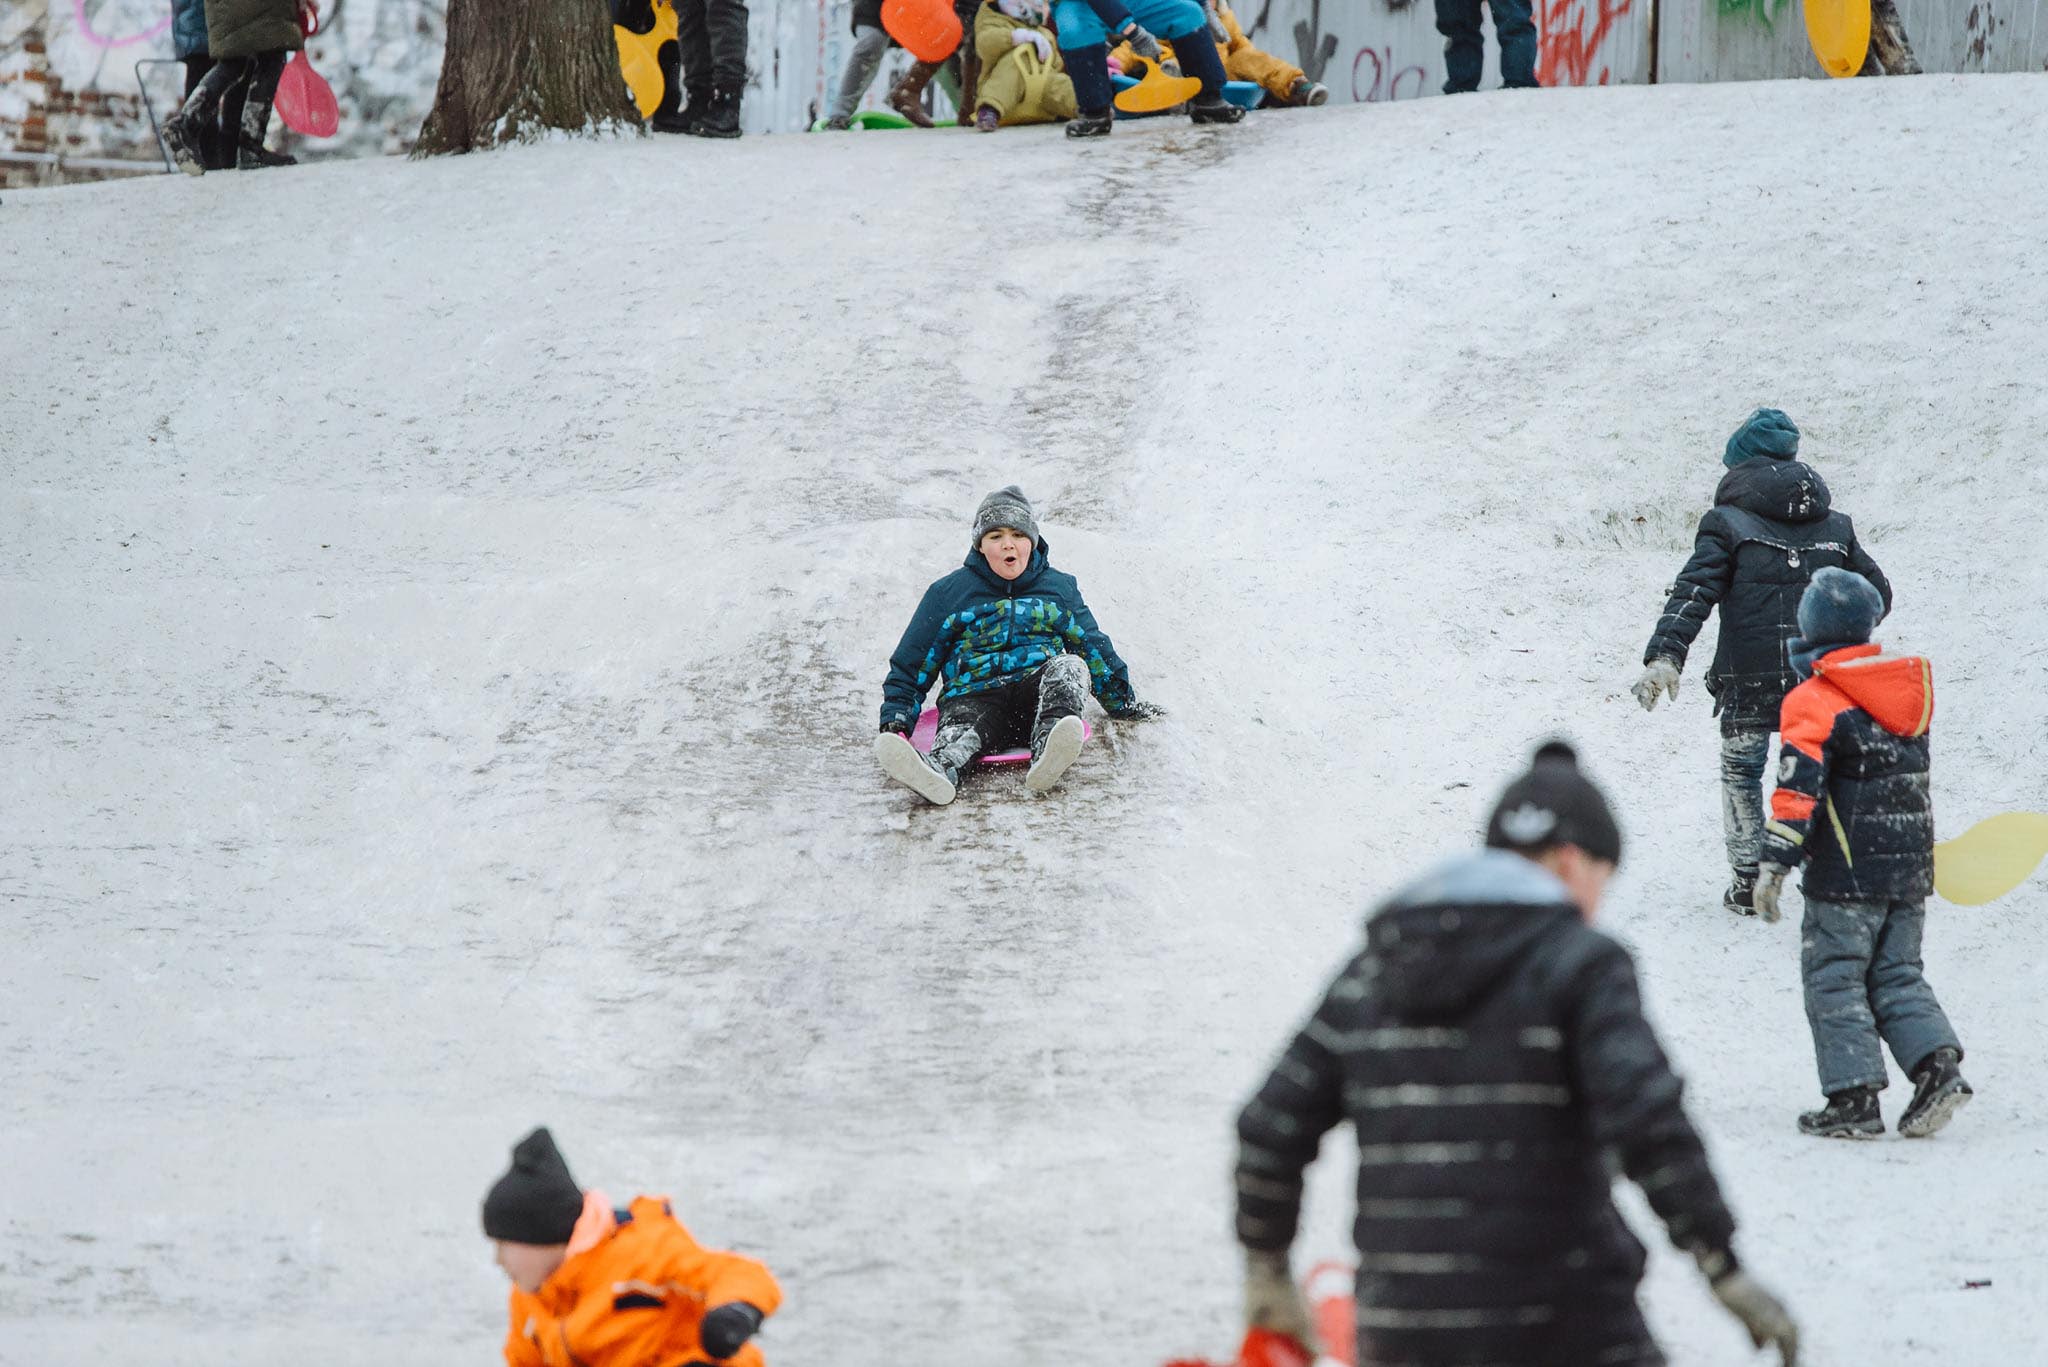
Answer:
(635, 1296)
(1852, 798)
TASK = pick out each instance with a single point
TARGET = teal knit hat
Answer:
(1767, 432)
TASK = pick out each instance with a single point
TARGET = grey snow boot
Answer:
(920, 773)
(1052, 752)
(1741, 895)
(183, 142)
(1848, 1115)
(1938, 1093)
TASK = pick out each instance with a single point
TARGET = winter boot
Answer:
(1214, 109)
(924, 775)
(1848, 1115)
(986, 120)
(1741, 895)
(722, 118)
(1938, 1093)
(1305, 93)
(252, 156)
(1090, 123)
(1052, 750)
(182, 140)
(907, 98)
(838, 123)
(697, 105)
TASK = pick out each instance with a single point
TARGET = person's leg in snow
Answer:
(1913, 1024)
(870, 45)
(1744, 755)
(250, 153)
(1057, 733)
(1838, 941)
(1464, 49)
(185, 132)
(1515, 27)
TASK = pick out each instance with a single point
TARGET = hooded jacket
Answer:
(1852, 798)
(980, 631)
(1014, 82)
(632, 1293)
(1770, 528)
(1490, 1050)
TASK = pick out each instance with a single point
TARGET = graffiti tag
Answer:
(1569, 45)
(1386, 77)
(100, 40)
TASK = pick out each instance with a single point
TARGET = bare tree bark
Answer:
(515, 70)
(1890, 53)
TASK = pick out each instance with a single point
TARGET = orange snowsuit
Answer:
(632, 1293)
(1241, 61)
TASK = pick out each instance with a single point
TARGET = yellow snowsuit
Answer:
(1241, 61)
(1014, 83)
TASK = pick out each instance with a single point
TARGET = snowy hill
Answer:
(446, 606)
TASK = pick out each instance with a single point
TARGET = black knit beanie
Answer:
(536, 1201)
(1554, 804)
(1006, 507)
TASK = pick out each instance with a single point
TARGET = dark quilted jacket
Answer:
(1770, 528)
(1490, 1050)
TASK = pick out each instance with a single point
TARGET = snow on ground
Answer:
(445, 608)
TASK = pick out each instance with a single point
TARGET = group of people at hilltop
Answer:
(234, 52)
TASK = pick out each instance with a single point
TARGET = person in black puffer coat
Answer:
(1490, 1050)
(1770, 528)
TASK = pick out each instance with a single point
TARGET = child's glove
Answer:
(896, 724)
(1770, 881)
(1216, 28)
(1139, 711)
(1036, 37)
(1272, 1300)
(1762, 1314)
(725, 1328)
(1660, 677)
(1142, 43)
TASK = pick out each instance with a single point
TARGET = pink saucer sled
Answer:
(927, 730)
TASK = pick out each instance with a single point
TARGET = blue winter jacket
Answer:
(982, 632)
(188, 28)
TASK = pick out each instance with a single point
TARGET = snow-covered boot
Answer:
(1214, 109)
(1741, 895)
(907, 98)
(253, 156)
(1305, 93)
(925, 776)
(1056, 747)
(722, 118)
(1090, 123)
(1938, 1093)
(696, 105)
(1848, 1115)
(182, 140)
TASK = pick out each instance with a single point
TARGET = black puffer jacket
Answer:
(1770, 528)
(1490, 1050)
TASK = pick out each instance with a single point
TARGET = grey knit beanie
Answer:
(1006, 507)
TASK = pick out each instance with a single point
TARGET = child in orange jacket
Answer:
(597, 1287)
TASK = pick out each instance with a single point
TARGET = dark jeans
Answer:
(1010, 716)
(1861, 963)
(713, 35)
(220, 128)
(1744, 754)
(1465, 52)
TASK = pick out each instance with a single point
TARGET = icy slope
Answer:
(445, 607)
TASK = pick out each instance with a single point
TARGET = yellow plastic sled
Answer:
(1840, 33)
(1990, 859)
(1156, 91)
(639, 56)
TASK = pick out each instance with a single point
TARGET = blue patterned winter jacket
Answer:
(188, 28)
(981, 632)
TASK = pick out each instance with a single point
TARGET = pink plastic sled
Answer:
(927, 730)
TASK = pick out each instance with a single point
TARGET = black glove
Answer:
(1142, 43)
(896, 724)
(726, 1328)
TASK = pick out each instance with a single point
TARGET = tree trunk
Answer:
(1890, 53)
(516, 70)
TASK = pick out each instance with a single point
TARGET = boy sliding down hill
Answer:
(1019, 650)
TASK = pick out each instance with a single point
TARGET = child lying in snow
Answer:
(615, 1288)
(1019, 650)
(1023, 79)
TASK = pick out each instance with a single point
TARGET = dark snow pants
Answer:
(1861, 963)
(1744, 755)
(219, 132)
(249, 81)
(1465, 49)
(713, 36)
(1012, 715)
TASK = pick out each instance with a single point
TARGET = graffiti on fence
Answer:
(1387, 77)
(1571, 40)
(1316, 47)
(98, 40)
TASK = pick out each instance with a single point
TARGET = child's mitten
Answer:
(1142, 43)
(726, 1327)
(1036, 37)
